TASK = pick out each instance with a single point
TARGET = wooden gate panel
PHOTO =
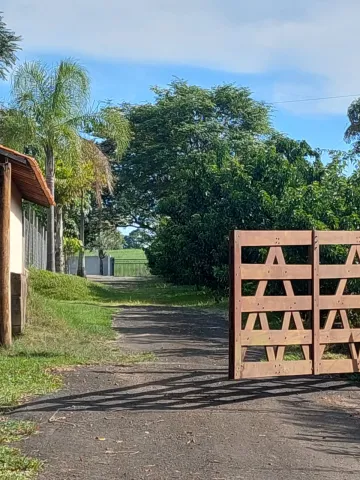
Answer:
(260, 305)
(314, 341)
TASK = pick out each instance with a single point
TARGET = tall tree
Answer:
(9, 45)
(49, 105)
(50, 116)
(205, 161)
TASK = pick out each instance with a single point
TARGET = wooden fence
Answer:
(308, 320)
(34, 240)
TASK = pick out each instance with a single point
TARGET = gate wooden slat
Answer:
(275, 272)
(277, 337)
(334, 302)
(338, 237)
(235, 308)
(272, 369)
(274, 238)
(339, 365)
(277, 304)
(340, 335)
(316, 303)
(339, 271)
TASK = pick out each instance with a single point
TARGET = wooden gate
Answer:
(308, 320)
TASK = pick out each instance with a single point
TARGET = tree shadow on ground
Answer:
(180, 389)
(325, 428)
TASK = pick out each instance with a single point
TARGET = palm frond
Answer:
(9, 45)
(71, 90)
(110, 123)
(102, 175)
(353, 130)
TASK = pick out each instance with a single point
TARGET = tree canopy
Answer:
(205, 161)
(9, 45)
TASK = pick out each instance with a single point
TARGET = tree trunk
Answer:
(101, 257)
(81, 265)
(59, 234)
(50, 180)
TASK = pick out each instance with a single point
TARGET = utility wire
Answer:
(315, 99)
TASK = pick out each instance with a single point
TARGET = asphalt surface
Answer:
(180, 418)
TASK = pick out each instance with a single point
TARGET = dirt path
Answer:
(180, 418)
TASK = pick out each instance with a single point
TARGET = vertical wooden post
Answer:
(315, 303)
(235, 314)
(5, 207)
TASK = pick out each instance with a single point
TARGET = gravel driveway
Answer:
(180, 418)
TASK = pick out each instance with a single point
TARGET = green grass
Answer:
(14, 465)
(70, 324)
(124, 254)
(136, 292)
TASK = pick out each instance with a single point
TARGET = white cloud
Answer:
(314, 37)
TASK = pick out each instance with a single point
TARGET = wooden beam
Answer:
(250, 271)
(5, 206)
(272, 369)
(316, 303)
(339, 271)
(277, 304)
(235, 308)
(338, 237)
(339, 365)
(274, 238)
(276, 337)
(340, 335)
(339, 302)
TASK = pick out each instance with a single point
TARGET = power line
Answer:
(315, 99)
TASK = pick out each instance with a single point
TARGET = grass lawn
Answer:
(124, 254)
(69, 325)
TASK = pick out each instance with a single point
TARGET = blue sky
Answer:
(280, 50)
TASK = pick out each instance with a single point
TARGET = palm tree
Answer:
(9, 44)
(49, 116)
(91, 174)
(352, 133)
(48, 109)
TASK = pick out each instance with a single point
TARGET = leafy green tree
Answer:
(203, 162)
(47, 115)
(138, 238)
(50, 115)
(9, 45)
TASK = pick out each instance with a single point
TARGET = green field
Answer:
(124, 254)
(128, 262)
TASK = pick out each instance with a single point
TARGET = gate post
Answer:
(235, 314)
(315, 303)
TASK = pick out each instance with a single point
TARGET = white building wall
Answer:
(16, 232)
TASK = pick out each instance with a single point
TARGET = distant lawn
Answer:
(124, 254)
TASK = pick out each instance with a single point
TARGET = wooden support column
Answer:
(235, 313)
(316, 303)
(5, 205)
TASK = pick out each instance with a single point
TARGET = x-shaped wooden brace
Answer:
(276, 254)
(354, 249)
